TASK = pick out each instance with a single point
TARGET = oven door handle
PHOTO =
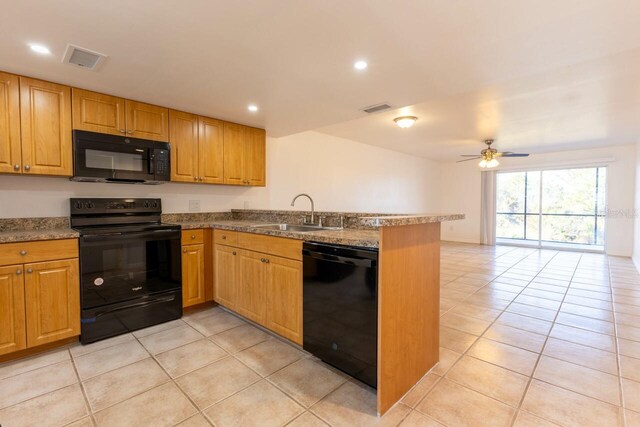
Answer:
(129, 236)
(138, 304)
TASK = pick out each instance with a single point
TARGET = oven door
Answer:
(117, 267)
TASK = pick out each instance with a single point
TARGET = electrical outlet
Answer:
(194, 205)
(246, 204)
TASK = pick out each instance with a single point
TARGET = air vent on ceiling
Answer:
(84, 58)
(375, 108)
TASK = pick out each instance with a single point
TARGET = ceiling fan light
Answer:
(493, 163)
(483, 163)
(405, 121)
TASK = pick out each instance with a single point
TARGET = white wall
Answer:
(636, 212)
(339, 174)
(461, 191)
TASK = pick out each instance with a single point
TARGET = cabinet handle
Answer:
(27, 167)
(129, 132)
(29, 270)
(23, 252)
(234, 252)
(266, 260)
(262, 260)
(193, 237)
(184, 251)
(18, 272)
(16, 167)
(224, 237)
(121, 130)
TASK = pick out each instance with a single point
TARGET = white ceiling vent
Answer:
(375, 108)
(83, 58)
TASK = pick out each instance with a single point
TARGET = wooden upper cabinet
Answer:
(233, 154)
(10, 151)
(45, 117)
(52, 294)
(147, 121)
(12, 321)
(97, 112)
(284, 298)
(183, 136)
(211, 150)
(193, 279)
(254, 156)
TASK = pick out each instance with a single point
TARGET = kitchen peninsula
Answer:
(408, 274)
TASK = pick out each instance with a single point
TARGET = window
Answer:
(552, 207)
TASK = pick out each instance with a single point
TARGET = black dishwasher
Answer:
(340, 300)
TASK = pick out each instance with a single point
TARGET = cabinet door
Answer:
(233, 154)
(284, 297)
(46, 128)
(147, 121)
(10, 151)
(183, 136)
(192, 275)
(254, 156)
(52, 295)
(225, 272)
(252, 286)
(211, 151)
(13, 336)
(97, 112)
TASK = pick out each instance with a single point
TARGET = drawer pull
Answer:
(29, 270)
(266, 260)
(193, 237)
(18, 272)
(23, 252)
(234, 252)
(184, 251)
(224, 237)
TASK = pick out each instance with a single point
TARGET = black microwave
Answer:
(99, 157)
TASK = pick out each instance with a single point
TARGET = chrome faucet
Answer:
(312, 208)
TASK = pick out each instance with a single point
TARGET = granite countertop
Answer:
(351, 237)
(10, 236)
(394, 220)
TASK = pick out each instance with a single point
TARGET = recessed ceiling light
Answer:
(253, 108)
(360, 65)
(38, 48)
(405, 121)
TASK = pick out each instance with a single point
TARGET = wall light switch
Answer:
(194, 205)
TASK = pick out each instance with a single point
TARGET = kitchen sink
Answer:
(293, 227)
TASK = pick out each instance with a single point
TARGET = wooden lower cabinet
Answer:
(225, 272)
(251, 286)
(13, 336)
(193, 277)
(261, 287)
(284, 298)
(52, 295)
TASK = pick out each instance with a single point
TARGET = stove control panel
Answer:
(84, 206)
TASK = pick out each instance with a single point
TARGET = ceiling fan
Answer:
(490, 156)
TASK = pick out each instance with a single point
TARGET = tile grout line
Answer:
(535, 367)
(84, 393)
(618, 356)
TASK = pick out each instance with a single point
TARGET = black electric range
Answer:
(130, 266)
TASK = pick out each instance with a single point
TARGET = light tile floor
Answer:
(529, 338)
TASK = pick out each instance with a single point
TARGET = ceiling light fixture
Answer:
(489, 162)
(253, 108)
(38, 48)
(360, 65)
(405, 121)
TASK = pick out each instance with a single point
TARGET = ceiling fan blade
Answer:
(510, 154)
(466, 160)
(469, 155)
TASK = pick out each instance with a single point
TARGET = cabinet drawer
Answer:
(279, 246)
(44, 250)
(192, 237)
(225, 237)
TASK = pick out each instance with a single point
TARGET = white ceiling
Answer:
(537, 75)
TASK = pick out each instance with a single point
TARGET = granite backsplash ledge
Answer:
(196, 217)
(31, 224)
(350, 220)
